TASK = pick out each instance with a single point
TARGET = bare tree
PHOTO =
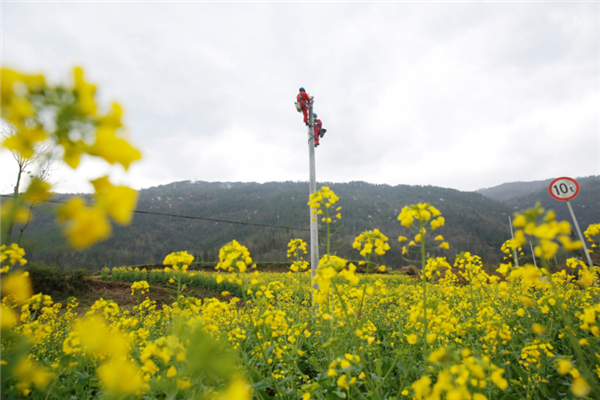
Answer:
(40, 165)
(44, 173)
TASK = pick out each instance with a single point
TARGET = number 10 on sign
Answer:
(564, 189)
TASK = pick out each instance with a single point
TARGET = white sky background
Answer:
(457, 95)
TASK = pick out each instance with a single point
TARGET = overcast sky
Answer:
(457, 95)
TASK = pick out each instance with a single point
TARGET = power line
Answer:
(232, 222)
(220, 220)
(195, 218)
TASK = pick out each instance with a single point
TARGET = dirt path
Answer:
(120, 292)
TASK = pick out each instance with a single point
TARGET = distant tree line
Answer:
(474, 223)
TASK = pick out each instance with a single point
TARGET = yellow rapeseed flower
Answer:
(580, 387)
(592, 232)
(13, 253)
(85, 93)
(121, 377)
(27, 373)
(342, 382)
(171, 372)
(586, 278)
(411, 339)
(118, 201)
(564, 366)
(18, 286)
(538, 329)
(37, 191)
(85, 225)
(238, 389)
(498, 380)
(8, 318)
(422, 387)
(184, 384)
(140, 287)
(113, 149)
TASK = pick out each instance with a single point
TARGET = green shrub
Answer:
(51, 281)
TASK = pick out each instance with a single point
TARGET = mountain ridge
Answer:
(508, 190)
(267, 215)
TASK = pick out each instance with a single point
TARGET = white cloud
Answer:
(462, 95)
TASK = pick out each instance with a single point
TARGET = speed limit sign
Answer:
(564, 188)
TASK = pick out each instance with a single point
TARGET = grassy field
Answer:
(452, 331)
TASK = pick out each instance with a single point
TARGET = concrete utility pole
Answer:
(314, 227)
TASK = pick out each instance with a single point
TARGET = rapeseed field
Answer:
(453, 332)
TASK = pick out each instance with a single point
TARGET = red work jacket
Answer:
(303, 98)
(318, 125)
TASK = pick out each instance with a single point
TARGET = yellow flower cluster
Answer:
(592, 233)
(424, 213)
(329, 266)
(69, 118)
(434, 266)
(470, 268)
(587, 276)
(17, 287)
(297, 247)
(234, 257)
(29, 373)
(590, 320)
(529, 274)
(299, 266)
(86, 225)
(548, 233)
(13, 254)
(117, 372)
(324, 199)
(140, 287)
(369, 239)
(179, 260)
(509, 247)
(464, 380)
(341, 367)
(579, 387)
(18, 110)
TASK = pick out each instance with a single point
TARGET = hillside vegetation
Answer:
(474, 222)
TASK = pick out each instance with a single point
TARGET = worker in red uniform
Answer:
(303, 99)
(319, 131)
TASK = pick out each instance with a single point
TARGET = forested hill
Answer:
(511, 190)
(515, 190)
(521, 195)
(586, 205)
(474, 222)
